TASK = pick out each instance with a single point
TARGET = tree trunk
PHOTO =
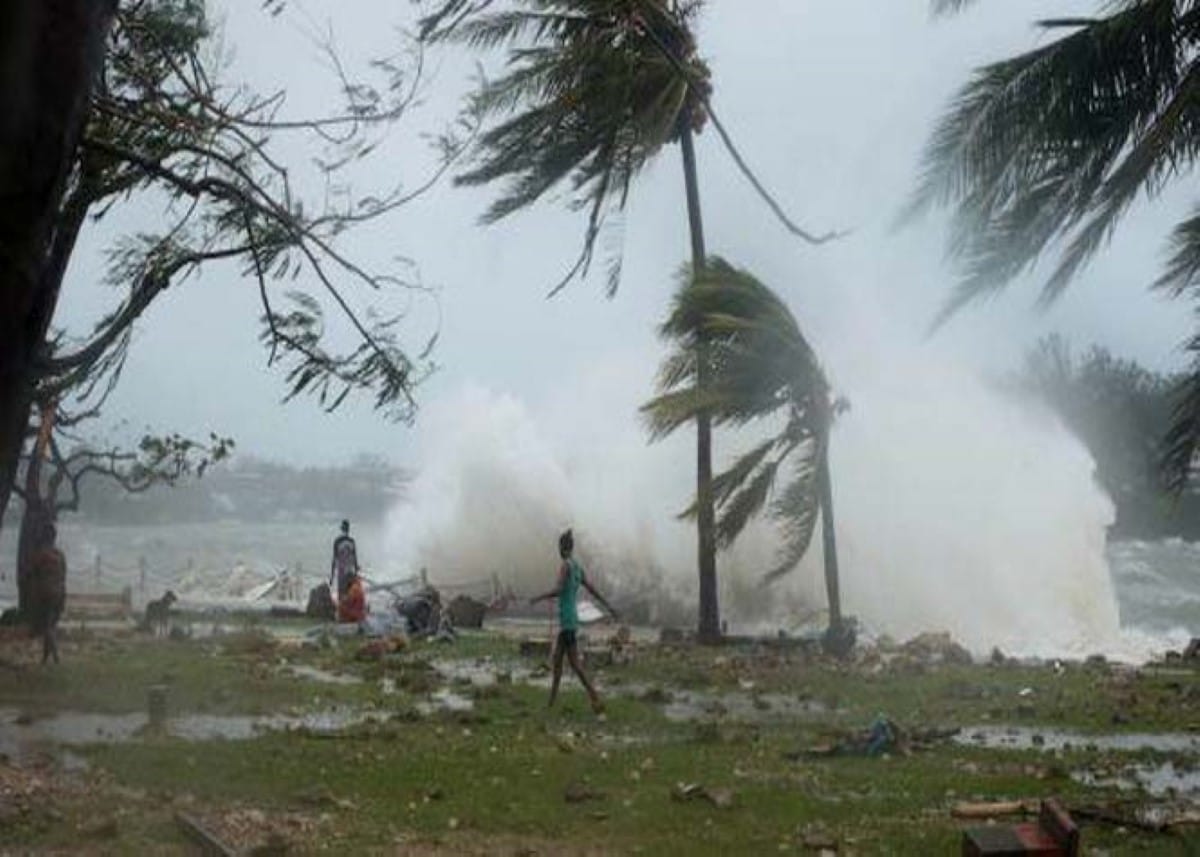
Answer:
(33, 522)
(51, 52)
(709, 630)
(829, 541)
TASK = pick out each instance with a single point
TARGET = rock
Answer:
(720, 798)
(838, 641)
(939, 648)
(102, 829)
(819, 841)
(656, 696)
(466, 612)
(277, 845)
(320, 604)
(579, 792)
(671, 636)
(533, 648)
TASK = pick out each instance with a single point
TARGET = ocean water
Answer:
(1156, 584)
(1158, 587)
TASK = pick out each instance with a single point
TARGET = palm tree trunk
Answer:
(709, 630)
(51, 52)
(829, 540)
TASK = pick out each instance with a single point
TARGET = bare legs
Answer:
(571, 652)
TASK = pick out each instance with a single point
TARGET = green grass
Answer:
(496, 776)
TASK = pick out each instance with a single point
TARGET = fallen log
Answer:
(994, 810)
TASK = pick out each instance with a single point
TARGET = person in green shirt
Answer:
(570, 577)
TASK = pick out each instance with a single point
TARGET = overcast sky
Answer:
(831, 101)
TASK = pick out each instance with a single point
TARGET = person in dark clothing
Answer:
(345, 561)
(47, 591)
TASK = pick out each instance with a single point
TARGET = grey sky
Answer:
(831, 102)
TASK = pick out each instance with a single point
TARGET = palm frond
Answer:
(760, 364)
(587, 100)
(797, 511)
(744, 502)
(1182, 273)
(668, 411)
(1182, 443)
(1054, 144)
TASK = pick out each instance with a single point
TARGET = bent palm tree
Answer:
(761, 366)
(1052, 147)
(593, 91)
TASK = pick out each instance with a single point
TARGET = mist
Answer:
(960, 507)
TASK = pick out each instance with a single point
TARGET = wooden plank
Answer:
(205, 839)
(994, 810)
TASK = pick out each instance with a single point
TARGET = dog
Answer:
(158, 614)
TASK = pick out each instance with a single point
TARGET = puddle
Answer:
(321, 676)
(445, 700)
(1157, 780)
(1033, 738)
(45, 737)
(686, 705)
(484, 672)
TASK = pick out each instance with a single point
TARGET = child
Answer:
(570, 578)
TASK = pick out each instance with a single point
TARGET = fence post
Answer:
(97, 568)
(142, 576)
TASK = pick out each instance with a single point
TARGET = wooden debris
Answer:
(994, 810)
(203, 837)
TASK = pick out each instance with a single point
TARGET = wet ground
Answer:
(1039, 738)
(1164, 779)
(435, 740)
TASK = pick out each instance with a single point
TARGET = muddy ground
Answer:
(280, 744)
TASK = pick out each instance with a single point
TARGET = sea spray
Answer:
(959, 508)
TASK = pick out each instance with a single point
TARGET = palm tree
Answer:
(594, 89)
(1051, 147)
(761, 366)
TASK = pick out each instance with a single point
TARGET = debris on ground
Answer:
(534, 648)
(620, 645)
(376, 650)
(997, 809)
(320, 604)
(207, 841)
(883, 737)
(721, 798)
(936, 648)
(249, 831)
(1054, 832)
(580, 792)
(839, 639)
(671, 636)
(466, 612)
